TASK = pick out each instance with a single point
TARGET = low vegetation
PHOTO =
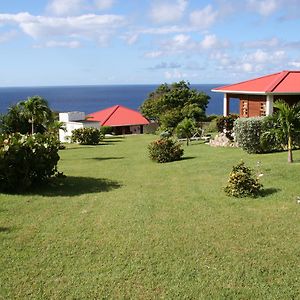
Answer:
(27, 160)
(120, 226)
(165, 150)
(86, 136)
(242, 182)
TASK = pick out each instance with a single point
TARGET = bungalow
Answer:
(256, 96)
(123, 120)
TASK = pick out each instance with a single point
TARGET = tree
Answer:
(37, 111)
(29, 116)
(186, 129)
(170, 104)
(14, 121)
(287, 124)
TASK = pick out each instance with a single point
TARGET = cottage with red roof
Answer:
(257, 95)
(123, 120)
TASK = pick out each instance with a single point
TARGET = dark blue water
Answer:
(93, 98)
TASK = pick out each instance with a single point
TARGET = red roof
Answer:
(285, 82)
(118, 116)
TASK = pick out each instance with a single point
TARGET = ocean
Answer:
(93, 98)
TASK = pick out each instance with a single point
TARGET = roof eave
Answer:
(240, 92)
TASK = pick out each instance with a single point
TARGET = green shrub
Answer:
(250, 135)
(86, 136)
(226, 124)
(211, 126)
(26, 160)
(242, 182)
(106, 130)
(165, 150)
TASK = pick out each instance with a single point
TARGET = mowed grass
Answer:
(123, 227)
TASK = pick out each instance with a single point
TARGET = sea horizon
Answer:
(91, 98)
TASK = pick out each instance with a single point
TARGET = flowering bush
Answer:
(86, 136)
(225, 124)
(26, 160)
(165, 150)
(242, 182)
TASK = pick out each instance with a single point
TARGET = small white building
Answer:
(74, 120)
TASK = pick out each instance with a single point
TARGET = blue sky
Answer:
(88, 42)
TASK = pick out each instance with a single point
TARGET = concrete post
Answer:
(269, 105)
(226, 105)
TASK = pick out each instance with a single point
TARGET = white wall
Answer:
(71, 116)
(65, 136)
(69, 119)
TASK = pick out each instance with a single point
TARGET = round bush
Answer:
(26, 160)
(165, 150)
(86, 136)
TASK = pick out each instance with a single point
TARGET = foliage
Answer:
(37, 111)
(170, 104)
(26, 160)
(211, 126)
(210, 118)
(163, 219)
(242, 183)
(165, 150)
(185, 129)
(86, 136)
(286, 127)
(29, 116)
(248, 132)
(226, 124)
(106, 130)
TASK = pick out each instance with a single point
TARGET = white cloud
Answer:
(264, 57)
(166, 12)
(209, 41)
(247, 67)
(174, 74)
(60, 44)
(165, 65)
(91, 26)
(65, 7)
(266, 43)
(204, 18)
(295, 64)
(154, 54)
(264, 7)
(104, 4)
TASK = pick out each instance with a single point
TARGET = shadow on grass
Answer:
(187, 157)
(110, 142)
(74, 186)
(106, 158)
(5, 229)
(269, 191)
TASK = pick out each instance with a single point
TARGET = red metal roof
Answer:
(285, 82)
(118, 116)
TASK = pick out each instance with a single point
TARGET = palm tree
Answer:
(186, 129)
(37, 111)
(287, 124)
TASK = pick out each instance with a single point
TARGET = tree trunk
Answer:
(32, 127)
(187, 141)
(290, 150)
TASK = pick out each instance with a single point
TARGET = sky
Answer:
(91, 42)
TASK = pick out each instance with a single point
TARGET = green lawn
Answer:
(123, 227)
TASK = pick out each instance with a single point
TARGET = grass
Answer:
(123, 227)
